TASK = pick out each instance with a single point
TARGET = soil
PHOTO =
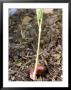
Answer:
(23, 39)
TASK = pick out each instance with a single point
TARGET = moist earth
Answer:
(23, 39)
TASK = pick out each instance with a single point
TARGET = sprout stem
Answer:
(39, 13)
(37, 56)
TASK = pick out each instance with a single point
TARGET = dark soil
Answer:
(23, 39)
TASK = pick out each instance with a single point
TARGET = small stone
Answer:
(13, 78)
(19, 64)
(56, 56)
(12, 72)
(50, 10)
(26, 20)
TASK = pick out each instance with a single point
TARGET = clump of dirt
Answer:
(23, 39)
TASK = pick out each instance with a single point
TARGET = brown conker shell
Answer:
(40, 70)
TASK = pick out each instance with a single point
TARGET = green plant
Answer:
(39, 13)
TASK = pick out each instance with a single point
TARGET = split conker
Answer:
(41, 69)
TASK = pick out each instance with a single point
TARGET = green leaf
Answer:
(39, 13)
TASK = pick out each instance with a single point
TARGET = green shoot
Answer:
(39, 13)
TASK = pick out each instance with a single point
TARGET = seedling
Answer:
(39, 13)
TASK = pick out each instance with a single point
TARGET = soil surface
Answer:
(23, 39)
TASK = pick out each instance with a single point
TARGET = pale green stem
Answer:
(36, 63)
